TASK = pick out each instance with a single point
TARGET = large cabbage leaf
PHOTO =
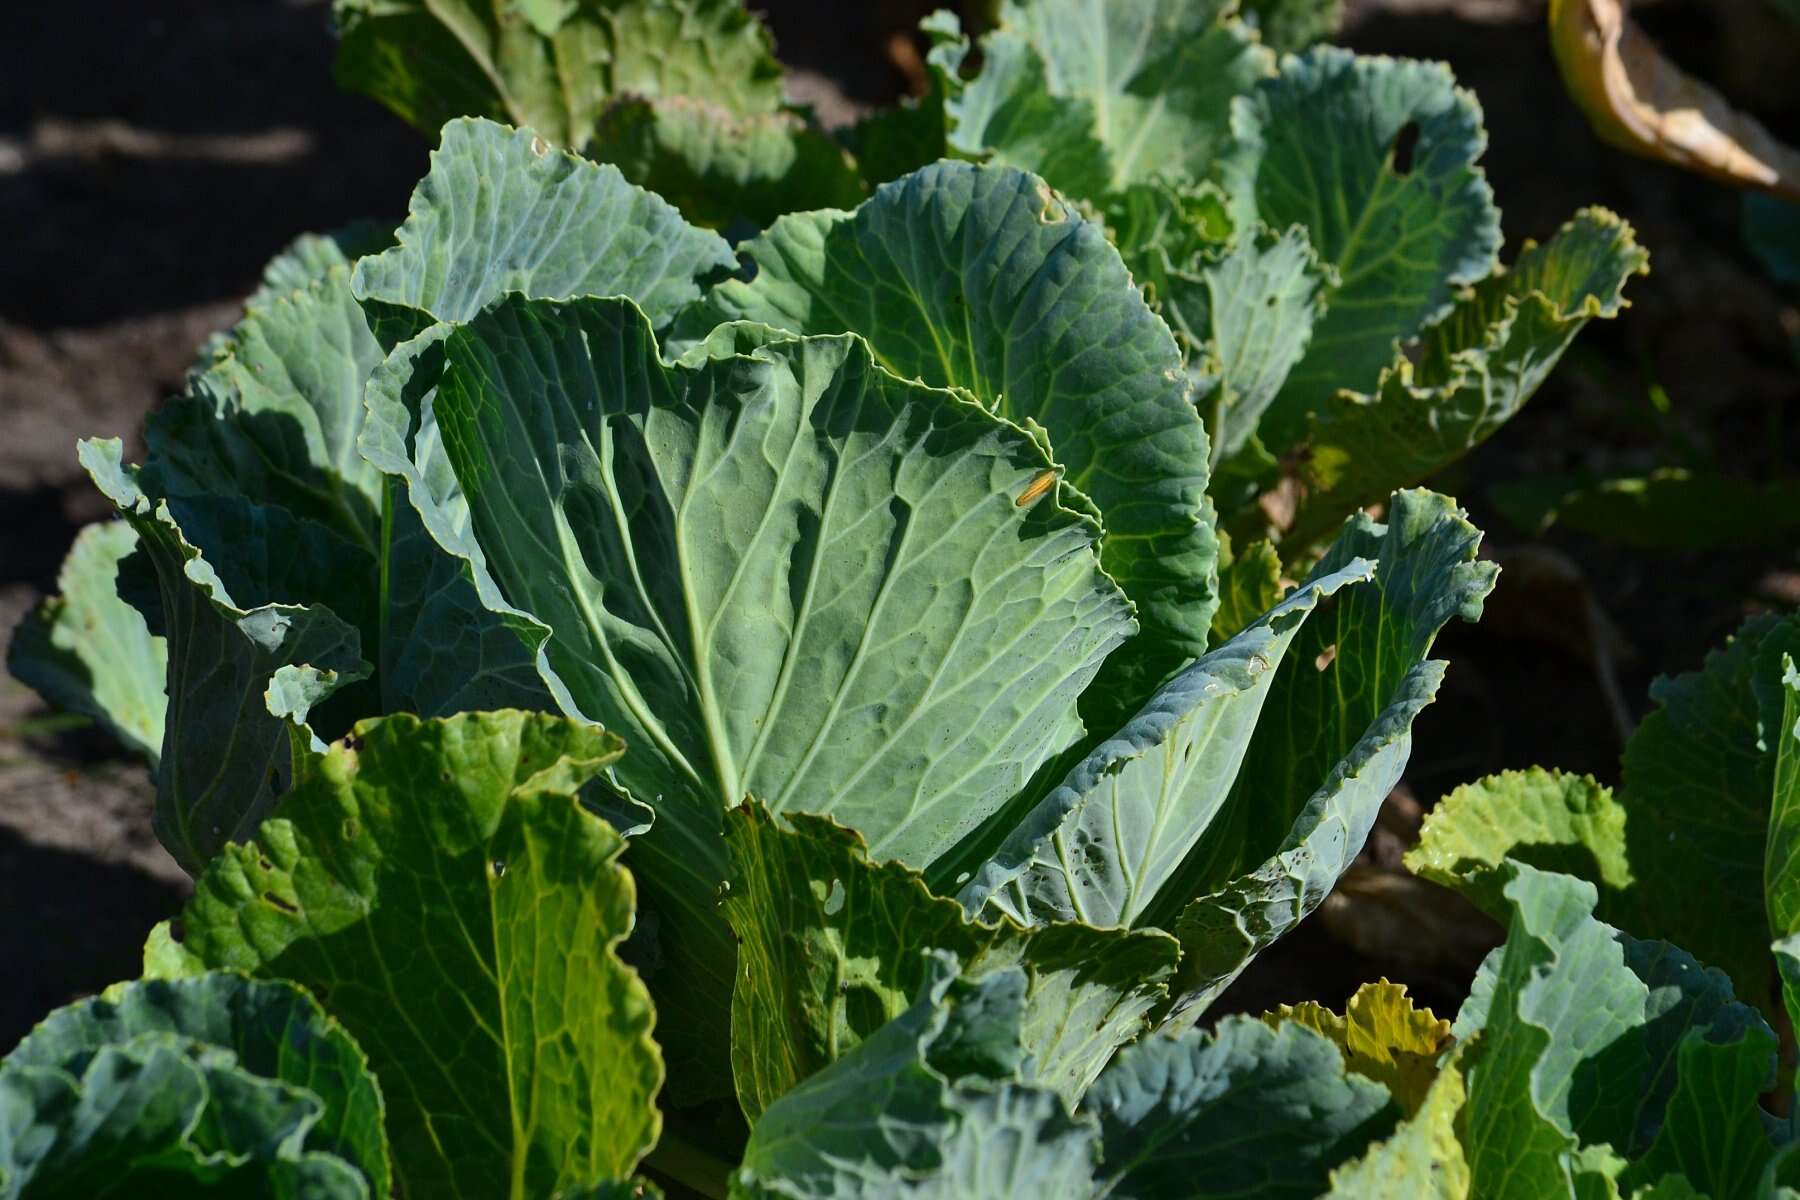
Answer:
(282, 564)
(1229, 805)
(1473, 370)
(1115, 92)
(1375, 157)
(213, 1086)
(783, 572)
(986, 281)
(444, 889)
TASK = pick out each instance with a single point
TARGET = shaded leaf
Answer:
(1422, 1159)
(718, 166)
(1475, 369)
(1247, 313)
(1005, 114)
(1670, 510)
(926, 1107)
(1333, 740)
(551, 65)
(242, 664)
(1268, 1112)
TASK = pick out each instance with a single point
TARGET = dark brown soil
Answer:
(153, 157)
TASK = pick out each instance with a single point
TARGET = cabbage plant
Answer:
(409, 983)
(907, 532)
(1315, 227)
(548, 618)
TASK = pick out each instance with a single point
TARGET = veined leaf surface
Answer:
(444, 891)
(1475, 369)
(1269, 1112)
(982, 279)
(1322, 146)
(1159, 76)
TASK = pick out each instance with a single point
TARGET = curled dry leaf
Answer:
(1640, 101)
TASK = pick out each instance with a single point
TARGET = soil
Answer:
(153, 157)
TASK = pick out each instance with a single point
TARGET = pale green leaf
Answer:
(829, 949)
(1559, 989)
(1333, 738)
(443, 891)
(1244, 1110)
(926, 1107)
(1316, 147)
(217, 1085)
(1104, 844)
(783, 573)
(1473, 371)
(786, 507)
(718, 166)
(1159, 227)
(1551, 820)
(551, 64)
(982, 279)
(500, 211)
(87, 651)
(475, 635)
(1160, 76)
(1595, 1050)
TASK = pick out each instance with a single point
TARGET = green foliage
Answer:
(445, 889)
(211, 1086)
(857, 599)
(1705, 811)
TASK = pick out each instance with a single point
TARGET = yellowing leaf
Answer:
(1382, 1035)
(1638, 100)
